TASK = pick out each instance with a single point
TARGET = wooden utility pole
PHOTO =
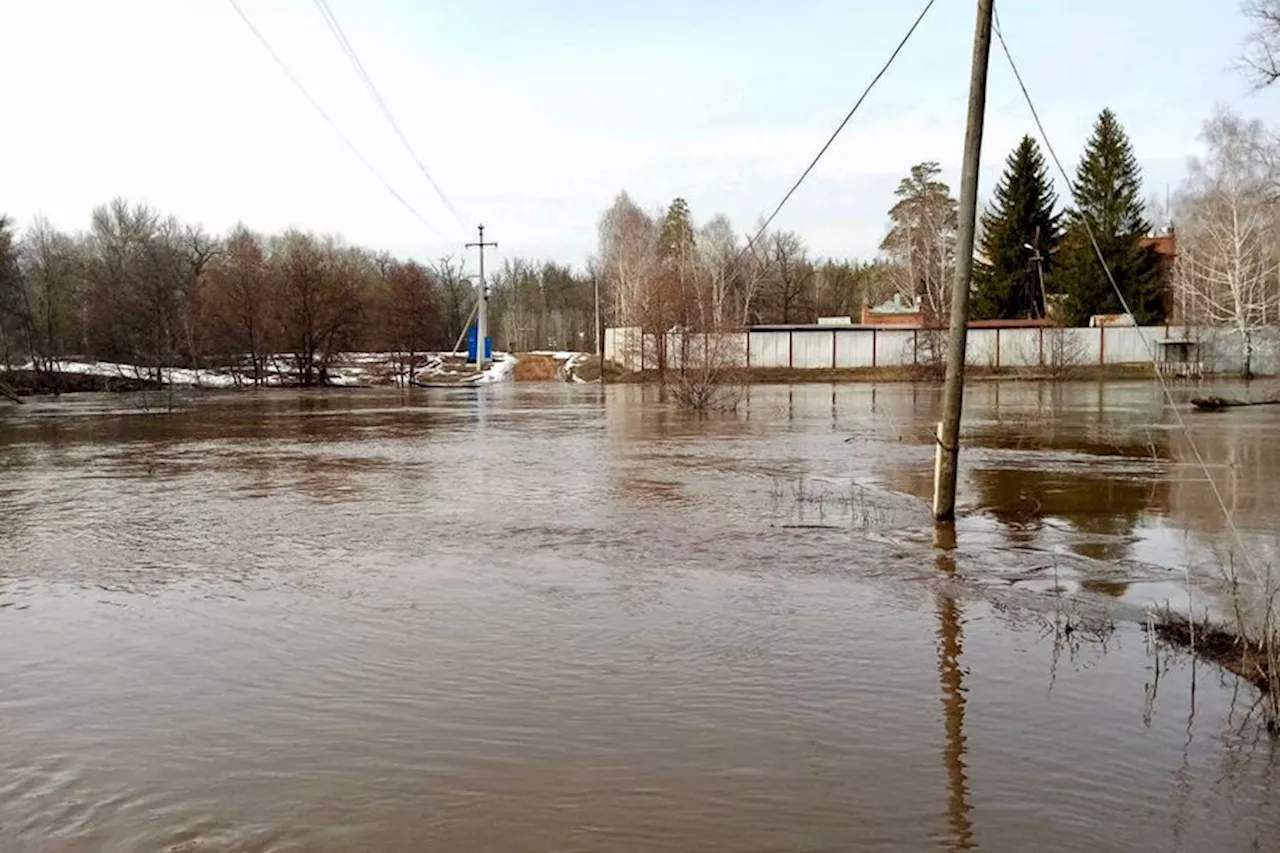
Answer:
(948, 450)
(482, 309)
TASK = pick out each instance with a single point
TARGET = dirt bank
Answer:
(29, 382)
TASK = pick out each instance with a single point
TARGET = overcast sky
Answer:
(533, 114)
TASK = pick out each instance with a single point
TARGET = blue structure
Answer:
(471, 344)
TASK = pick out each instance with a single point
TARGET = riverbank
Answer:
(373, 370)
(347, 370)
(28, 383)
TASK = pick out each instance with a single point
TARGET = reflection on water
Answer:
(1104, 507)
(555, 617)
(951, 676)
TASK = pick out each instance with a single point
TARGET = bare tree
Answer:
(1262, 48)
(718, 269)
(51, 268)
(789, 272)
(195, 251)
(136, 279)
(320, 284)
(516, 305)
(10, 291)
(240, 300)
(410, 314)
(711, 373)
(628, 255)
(457, 295)
(753, 273)
(1227, 266)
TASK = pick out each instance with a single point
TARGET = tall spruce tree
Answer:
(1108, 198)
(1007, 281)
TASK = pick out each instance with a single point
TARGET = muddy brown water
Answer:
(538, 618)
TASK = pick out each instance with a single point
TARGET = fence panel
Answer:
(854, 349)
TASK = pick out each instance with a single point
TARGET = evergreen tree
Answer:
(1108, 198)
(1007, 281)
(921, 244)
(676, 241)
(670, 294)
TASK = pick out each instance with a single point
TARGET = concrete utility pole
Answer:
(1038, 260)
(595, 284)
(948, 450)
(482, 311)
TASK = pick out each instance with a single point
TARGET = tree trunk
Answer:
(6, 391)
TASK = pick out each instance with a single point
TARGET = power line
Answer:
(336, 29)
(1124, 303)
(324, 115)
(893, 56)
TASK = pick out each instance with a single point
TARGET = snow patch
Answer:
(500, 369)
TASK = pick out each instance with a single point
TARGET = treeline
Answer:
(147, 289)
(1039, 260)
(1036, 259)
(1221, 263)
(662, 271)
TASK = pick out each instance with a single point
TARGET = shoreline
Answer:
(30, 383)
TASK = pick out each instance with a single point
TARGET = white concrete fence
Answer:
(1180, 350)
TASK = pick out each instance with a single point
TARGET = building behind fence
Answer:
(1178, 350)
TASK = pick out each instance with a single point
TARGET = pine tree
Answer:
(669, 297)
(1109, 199)
(676, 241)
(1008, 282)
(921, 244)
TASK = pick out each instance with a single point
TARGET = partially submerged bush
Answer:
(1248, 644)
(711, 375)
(708, 388)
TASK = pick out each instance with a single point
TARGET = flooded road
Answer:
(549, 617)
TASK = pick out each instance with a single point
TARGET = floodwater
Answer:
(548, 617)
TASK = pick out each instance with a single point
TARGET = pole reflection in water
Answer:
(951, 676)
